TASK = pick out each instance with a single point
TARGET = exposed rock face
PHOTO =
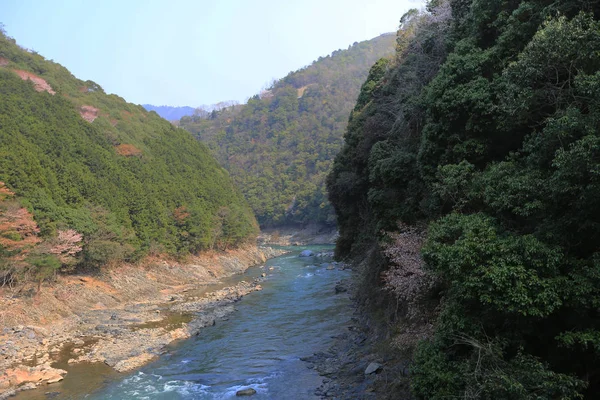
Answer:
(88, 113)
(39, 83)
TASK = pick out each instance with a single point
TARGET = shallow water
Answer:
(259, 346)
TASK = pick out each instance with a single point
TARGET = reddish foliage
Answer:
(411, 284)
(181, 214)
(406, 278)
(66, 245)
(5, 192)
(18, 230)
(128, 150)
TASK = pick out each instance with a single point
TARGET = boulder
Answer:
(340, 288)
(306, 253)
(4, 382)
(245, 392)
(57, 378)
(373, 368)
(40, 373)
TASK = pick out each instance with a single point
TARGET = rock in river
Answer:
(307, 253)
(245, 392)
(340, 288)
(373, 368)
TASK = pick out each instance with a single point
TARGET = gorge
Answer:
(458, 159)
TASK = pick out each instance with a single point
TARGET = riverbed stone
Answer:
(41, 373)
(373, 368)
(56, 379)
(245, 392)
(306, 253)
(340, 288)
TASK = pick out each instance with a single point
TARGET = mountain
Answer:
(467, 190)
(279, 146)
(170, 113)
(89, 179)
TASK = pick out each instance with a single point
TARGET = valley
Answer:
(413, 216)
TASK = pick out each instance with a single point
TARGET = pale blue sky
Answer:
(186, 52)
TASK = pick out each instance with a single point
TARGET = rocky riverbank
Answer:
(123, 317)
(360, 364)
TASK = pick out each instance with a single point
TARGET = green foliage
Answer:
(497, 150)
(117, 180)
(487, 375)
(375, 179)
(434, 373)
(491, 270)
(45, 266)
(279, 146)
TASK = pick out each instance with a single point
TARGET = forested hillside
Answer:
(170, 113)
(280, 145)
(478, 147)
(89, 179)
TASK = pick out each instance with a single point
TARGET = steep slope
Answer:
(279, 146)
(478, 146)
(102, 176)
(170, 113)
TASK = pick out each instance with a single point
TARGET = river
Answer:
(259, 346)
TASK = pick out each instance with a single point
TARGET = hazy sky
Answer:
(186, 52)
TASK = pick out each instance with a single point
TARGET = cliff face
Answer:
(476, 148)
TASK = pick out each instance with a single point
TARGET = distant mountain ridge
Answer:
(279, 146)
(170, 113)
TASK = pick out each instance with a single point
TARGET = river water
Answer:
(258, 347)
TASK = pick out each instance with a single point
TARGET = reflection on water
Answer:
(259, 346)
